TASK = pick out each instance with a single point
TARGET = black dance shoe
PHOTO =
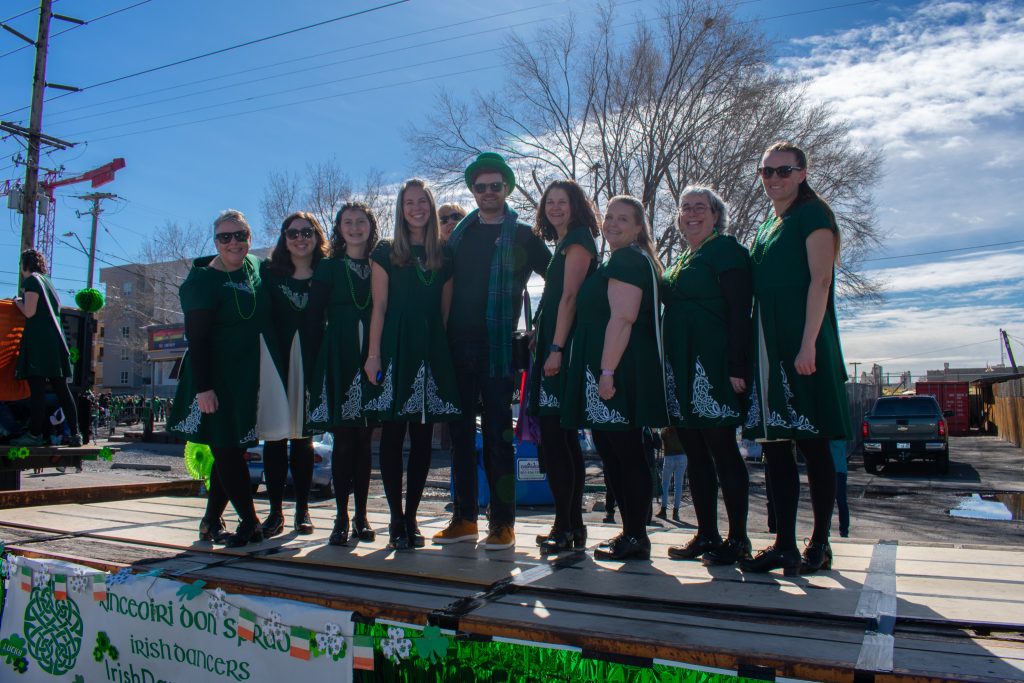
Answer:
(248, 531)
(816, 556)
(626, 548)
(273, 524)
(697, 546)
(557, 542)
(339, 535)
(213, 532)
(611, 541)
(543, 537)
(303, 524)
(730, 552)
(398, 536)
(579, 538)
(362, 531)
(412, 531)
(772, 558)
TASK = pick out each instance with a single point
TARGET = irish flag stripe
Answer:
(99, 587)
(246, 624)
(26, 579)
(362, 653)
(60, 587)
(300, 642)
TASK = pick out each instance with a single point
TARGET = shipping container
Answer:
(951, 396)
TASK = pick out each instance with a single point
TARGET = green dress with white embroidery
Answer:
(418, 378)
(639, 399)
(696, 324)
(289, 298)
(783, 403)
(337, 386)
(241, 309)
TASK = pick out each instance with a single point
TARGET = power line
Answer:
(943, 251)
(223, 50)
(72, 28)
(948, 348)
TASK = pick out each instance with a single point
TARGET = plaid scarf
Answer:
(501, 299)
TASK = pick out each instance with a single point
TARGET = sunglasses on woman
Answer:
(451, 218)
(782, 171)
(237, 235)
(296, 233)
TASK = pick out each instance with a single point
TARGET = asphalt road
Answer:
(907, 503)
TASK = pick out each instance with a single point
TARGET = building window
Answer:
(124, 353)
(102, 330)
(101, 353)
(126, 331)
(126, 288)
(124, 377)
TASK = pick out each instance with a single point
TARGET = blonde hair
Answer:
(643, 239)
(401, 249)
(452, 206)
(233, 215)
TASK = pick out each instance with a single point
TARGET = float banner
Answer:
(147, 629)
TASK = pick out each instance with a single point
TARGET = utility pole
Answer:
(1009, 351)
(28, 223)
(95, 198)
(855, 364)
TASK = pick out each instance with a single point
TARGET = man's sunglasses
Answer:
(783, 171)
(480, 188)
(296, 233)
(451, 217)
(237, 235)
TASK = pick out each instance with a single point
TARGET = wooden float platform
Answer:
(886, 612)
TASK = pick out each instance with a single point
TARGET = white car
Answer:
(323, 446)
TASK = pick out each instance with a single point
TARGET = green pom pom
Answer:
(89, 300)
(15, 453)
(74, 353)
(106, 454)
(199, 461)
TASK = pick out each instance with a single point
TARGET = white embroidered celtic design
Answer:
(250, 436)
(321, 413)
(597, 411)
(190, 424)
(298, 299)
(240, 286)
(361, 270)
(670, 391)
(383, 401)
(352, 407)
(754, 412)
(546, 400)
(424, 396)
(704, 404)
(796, 421)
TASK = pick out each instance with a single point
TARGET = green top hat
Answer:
(491, 161)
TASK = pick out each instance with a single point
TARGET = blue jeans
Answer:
(476, 386)
(674, 465)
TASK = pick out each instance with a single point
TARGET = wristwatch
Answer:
(555, 348)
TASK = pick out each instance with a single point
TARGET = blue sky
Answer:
(939, 85)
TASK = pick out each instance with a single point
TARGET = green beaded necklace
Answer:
(352, 288)
(421, 270)
(252, 289)
(686, 257)
(761, 244)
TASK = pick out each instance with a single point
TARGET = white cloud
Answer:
(962, 274)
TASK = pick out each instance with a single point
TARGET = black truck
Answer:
(903, 428)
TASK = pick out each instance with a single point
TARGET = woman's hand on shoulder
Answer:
(208, 401)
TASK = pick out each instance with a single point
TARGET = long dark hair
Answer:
(581, 211)
(281, 259)
(33, 261)
(804, 193)
(338, 245)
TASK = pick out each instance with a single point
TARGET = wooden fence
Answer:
(1007, 412)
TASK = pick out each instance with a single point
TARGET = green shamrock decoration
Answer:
(191, 591)
(106, 454)
(79, 678)
(18, 453)
(103, 647)
(74, 353)
(13, 651)
(432, 645)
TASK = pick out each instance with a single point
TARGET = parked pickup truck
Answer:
(902, 428)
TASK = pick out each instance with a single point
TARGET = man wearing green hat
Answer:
(494, 255)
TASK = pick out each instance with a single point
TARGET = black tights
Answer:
(392, 437)
(626, 471)
(350, 468)
(784, 480)
(37, 403)
(563, 460)
(713, 461)
(229, 480)
(275, 466)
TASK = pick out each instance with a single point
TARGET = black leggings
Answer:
(229, 480)
(627, 472)
(563, 460)
(784, 480)
(392, 437)
(37, 403)
(713, 461)
(350, 468)
(275, 466)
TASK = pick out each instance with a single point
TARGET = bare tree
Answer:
(690, 97)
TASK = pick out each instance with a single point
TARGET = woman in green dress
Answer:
(567, 219)
(408, 366)
(287, 276)
(341, 290)
(43, 355)
(227, 310)
(707, 331)
(798, 393)
(615, 382)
